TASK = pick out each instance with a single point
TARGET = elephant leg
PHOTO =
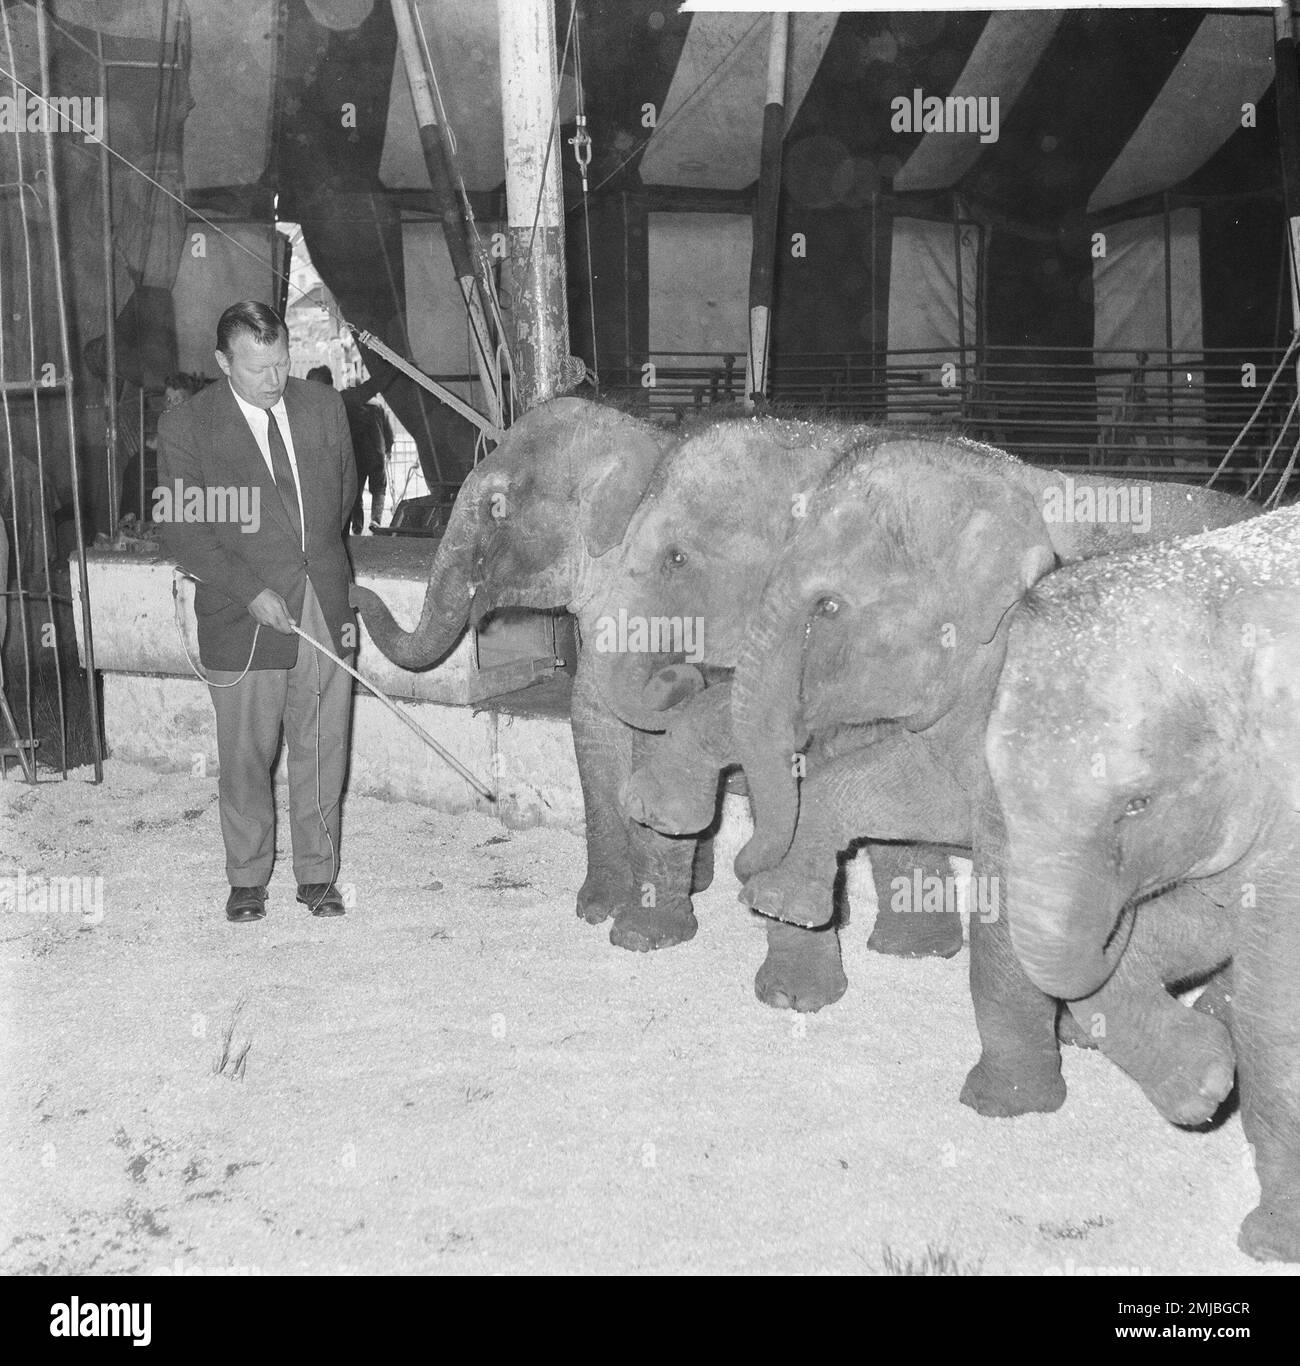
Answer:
(1182, 1058)
(909, 925)
(603, 747)
(661, 913)
(890, 791)
(1266, 1032)
(1019, 1068)
(800, 889)
(676, 791)
(802, 970)
(702, 866)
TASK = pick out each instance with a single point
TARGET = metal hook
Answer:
(581, 144)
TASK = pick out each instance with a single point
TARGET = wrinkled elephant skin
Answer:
(1145, 750)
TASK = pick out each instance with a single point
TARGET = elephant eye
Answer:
(1137, 806)
(827, 607)
(675, 558)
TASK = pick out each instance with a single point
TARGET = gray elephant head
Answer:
(1145, 738)
(888, 602)
(1123, 749)
(697, 552)
(527, 523)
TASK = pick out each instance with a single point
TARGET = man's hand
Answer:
(271, 610)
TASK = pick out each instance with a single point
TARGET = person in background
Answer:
(177, 388)
(372, 439)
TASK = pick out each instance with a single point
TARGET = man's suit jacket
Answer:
(206, 443)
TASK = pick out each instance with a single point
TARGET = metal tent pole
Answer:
(65, 358)
(534, 200)
(767, 206)
(1286, 83)
(961, 303)
(433, 142)
(110, 298)
(1169, 310)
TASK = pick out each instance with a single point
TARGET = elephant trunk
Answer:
(621, 677)
(1064, 918)
(765, 700)
(447, 597)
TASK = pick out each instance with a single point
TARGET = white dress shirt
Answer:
(256, 418)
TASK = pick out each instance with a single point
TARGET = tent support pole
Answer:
(1169, 311)
(110, 301)
(767, 206)
(961, 304)
(70, 407)
(437, 159)
(534, 199)
(1287, 85)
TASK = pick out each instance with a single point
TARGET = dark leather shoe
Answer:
(246, 903)
(324, 898)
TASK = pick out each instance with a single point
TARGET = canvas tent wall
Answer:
(300, 107)
(933, 314)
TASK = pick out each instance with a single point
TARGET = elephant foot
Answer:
(602, 895)
(783, 894)
(702, 866)
(672, 809)
(1270, 1234)
(1070, 1031)
(904, 934)
(802, 970)
(1199, 1084)
(1191, 1071)
(646, 928)
(994, 1091)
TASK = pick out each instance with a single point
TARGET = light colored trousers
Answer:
(312, 704)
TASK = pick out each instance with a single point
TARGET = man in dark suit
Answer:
(256, 484)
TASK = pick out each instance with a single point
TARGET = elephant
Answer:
(890, 602)
(1144, 747)
(536, 524)
(696, 553)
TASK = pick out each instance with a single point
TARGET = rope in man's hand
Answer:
(476, 783)
(473, 780)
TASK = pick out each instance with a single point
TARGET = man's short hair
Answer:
(322, 374)
(249, 315)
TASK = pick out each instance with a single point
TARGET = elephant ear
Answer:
(613, 488)
(998, 567)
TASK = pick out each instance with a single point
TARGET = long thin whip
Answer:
(476, 783)
(472, 779)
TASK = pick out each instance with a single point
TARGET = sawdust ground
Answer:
(461, 1076)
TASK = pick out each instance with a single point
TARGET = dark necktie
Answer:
(283, 473)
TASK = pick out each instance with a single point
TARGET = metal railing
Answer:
(49, 707)
(675, 382)
(1146, 413)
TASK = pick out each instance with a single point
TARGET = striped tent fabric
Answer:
(944, 174)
